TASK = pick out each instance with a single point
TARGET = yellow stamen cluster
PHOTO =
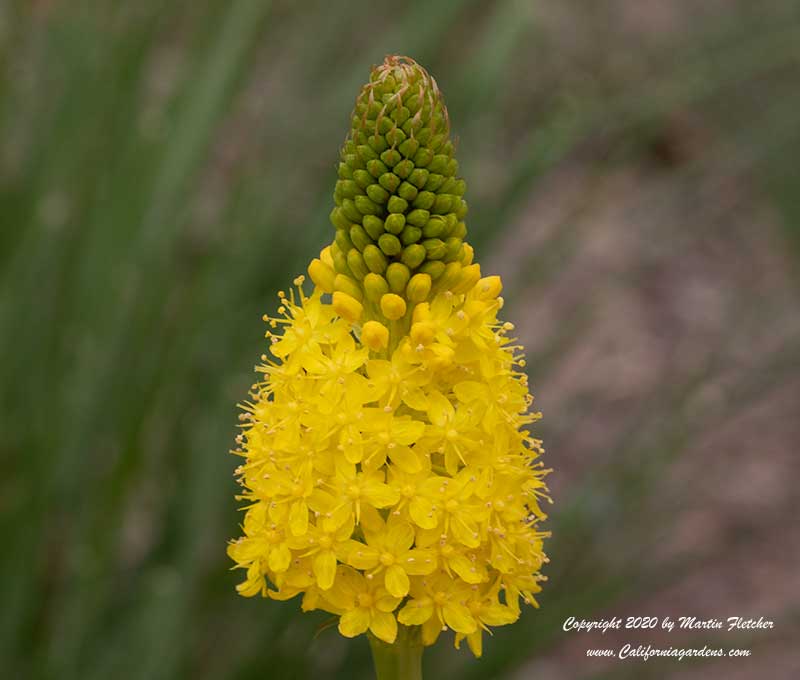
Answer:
(389, 472)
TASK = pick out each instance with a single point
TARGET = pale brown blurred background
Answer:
(632, 172)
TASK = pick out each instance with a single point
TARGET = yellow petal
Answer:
(440, 410)
(405, 458)
(407, 431)
(298, 518)
(383, 626)
(397, 582)
(469, 390)
(458, 617)
(251, 587)
(354, 622)
(415, 398)
(325, 568)
(362, 556)
(399, 536)
(465, 568)
(416, 612)
(475, 642)
(379, 494)
(280, 558)
(419, 562)
(421, 511)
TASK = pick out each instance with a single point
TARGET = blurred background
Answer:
(165, 168)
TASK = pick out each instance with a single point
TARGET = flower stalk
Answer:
(401, 660)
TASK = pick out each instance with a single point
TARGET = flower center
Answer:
(365, 600)
(387, 559)
(325, 541)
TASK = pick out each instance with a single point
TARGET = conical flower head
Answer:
(389, 468)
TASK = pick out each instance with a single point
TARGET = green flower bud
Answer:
(395, 222)
(377, 194)
(424, 200)
(401, 115)
(438, 164)
(376, 168)
(340, 261)
(375, 259)
(389, 181)
(451, 275)
(404, 168)
(395, 136)
(434, 181)
(345, 284)
(350, 211)
(344, 171)
(359, 237)
(435, 248)
(448, 185)
(453, 248)
(410, 235)
(433, 268)
(377, 143)
(348, 188)
(460, 230)
(418, 217)
(391, 157)
(418, 287)
(384, 125)
(442, 205)
(390, 244)
(375, 286)
(423, 157)
(418, 177)
(356, 263)
(397, 274)
(362, 178)
(413, 256)
(373, 226)
(397, 205)
(407, 191)
(365, 206)
(434, 227)
(461, 211)
(409, 147)
(339, 219)
(343, 240)
(365, 153)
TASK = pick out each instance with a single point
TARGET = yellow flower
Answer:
(389, 472)
(388, 549)
(363, 605)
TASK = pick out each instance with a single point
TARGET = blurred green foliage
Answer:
(165, 168)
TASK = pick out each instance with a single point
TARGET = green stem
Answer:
(401, 660)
